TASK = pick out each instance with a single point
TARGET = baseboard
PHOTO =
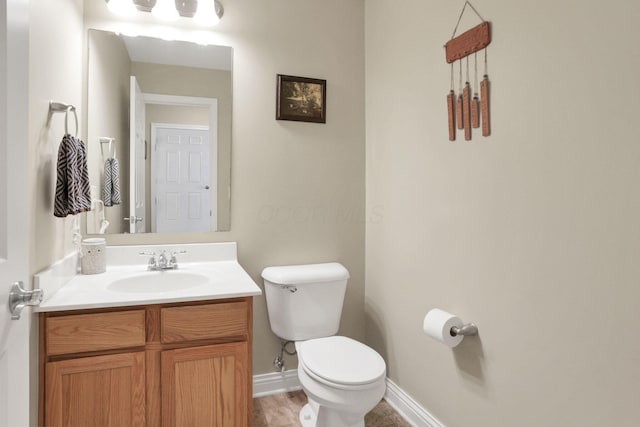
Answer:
(275, 382)
(407, 408)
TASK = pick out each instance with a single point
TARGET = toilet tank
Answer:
(305, 301)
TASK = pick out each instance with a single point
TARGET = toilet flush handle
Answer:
(289, 288)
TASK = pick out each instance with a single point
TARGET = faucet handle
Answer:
(174, 260)
(152, 260)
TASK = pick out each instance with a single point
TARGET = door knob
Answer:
(206, 187)
(19, 298)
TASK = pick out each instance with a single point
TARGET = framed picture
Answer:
(301, 99)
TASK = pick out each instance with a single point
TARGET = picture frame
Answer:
(301, 99)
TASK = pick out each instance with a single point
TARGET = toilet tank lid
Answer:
(306, 273)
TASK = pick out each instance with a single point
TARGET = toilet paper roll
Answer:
(438, 323)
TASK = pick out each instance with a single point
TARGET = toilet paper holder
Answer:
(465, 330)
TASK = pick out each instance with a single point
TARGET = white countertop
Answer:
(222, 278)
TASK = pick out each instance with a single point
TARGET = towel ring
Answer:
(59, 107)
(66, 116)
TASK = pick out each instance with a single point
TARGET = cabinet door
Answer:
(105, 391)
(205, 386)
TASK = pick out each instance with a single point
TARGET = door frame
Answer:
(137, 141)
(193, 101)
(15, 223)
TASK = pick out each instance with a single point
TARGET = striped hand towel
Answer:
(72, 183)
(111, 188)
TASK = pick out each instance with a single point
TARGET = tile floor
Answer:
(281, 410)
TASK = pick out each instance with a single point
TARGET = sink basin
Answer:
(158, 281)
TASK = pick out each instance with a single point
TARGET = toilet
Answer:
(342, 378)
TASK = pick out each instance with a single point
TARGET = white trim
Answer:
(408, 408)
(275, 382)
(185, 101)
(405, 406)
(4, 108)
(16, 246)
(177, 126)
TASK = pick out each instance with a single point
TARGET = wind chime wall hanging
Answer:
(466, 112)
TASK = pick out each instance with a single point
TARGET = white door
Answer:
(14, 210)
(182, 188)
(137, 149)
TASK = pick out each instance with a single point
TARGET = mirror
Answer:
(162, 110)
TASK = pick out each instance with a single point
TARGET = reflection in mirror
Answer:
(172, 165)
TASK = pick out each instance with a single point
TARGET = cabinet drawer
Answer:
(93, 332)
(198, 322)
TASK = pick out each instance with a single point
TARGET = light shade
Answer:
(203, 12)
(206, 13)
(122, 7)
(165, 10)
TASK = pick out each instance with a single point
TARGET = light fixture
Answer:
(122, 7)
(165, 10)
(203, 12)
(209, 12)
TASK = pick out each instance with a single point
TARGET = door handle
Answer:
(19, 298)
(206, 187)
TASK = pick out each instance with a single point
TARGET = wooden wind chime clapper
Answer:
(464, 111)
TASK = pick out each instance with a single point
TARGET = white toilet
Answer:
(342, 378)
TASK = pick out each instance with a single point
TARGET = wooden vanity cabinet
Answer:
(179, 364)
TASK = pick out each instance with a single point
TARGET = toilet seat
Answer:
(341, 362)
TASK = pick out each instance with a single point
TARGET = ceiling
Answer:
(186, 54)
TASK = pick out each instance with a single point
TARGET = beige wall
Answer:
(55, 70)
(175, 114)
(108, 116)
(532, 233)
(297, 188)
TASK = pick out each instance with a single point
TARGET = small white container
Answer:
(94, 256)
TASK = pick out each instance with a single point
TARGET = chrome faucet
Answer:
(163, 262)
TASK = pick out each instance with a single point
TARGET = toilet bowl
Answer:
(342, 378)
